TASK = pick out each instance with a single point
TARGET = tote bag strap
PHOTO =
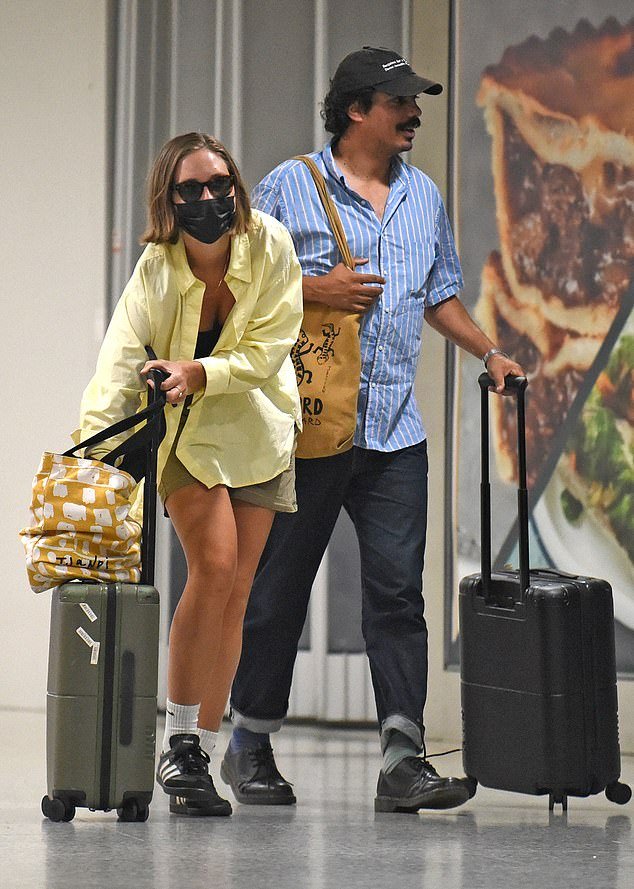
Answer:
(153, 414)
(330, 209)
(148, 413)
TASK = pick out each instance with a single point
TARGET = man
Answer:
(397, 229)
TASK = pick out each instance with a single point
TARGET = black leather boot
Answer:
(253, 776)
(414, 784)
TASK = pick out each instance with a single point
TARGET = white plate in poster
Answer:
(586, 547)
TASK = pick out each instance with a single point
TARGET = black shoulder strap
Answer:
(154, 429)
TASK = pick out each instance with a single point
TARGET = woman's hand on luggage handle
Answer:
(185, 378)
(344, 289)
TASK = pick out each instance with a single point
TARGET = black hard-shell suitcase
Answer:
(103, 665)
(538, 676)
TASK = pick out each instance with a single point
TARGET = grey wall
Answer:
(53, 110)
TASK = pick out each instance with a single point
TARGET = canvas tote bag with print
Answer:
(327, 359)
(80, 526)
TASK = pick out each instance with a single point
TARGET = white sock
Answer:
(207, 740)
(180, 719)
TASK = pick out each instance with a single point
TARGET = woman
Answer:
(217, 294)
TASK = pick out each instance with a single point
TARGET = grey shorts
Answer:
(277, 494)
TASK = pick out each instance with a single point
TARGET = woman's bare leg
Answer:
(253, 524)
(204, 521)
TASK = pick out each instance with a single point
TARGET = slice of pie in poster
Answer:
(561, 116)
(555, 360)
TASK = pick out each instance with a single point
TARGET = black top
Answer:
(206, 341)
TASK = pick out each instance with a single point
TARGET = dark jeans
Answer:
(385, 495)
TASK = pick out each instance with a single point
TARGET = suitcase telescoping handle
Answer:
(148, 535)
(516, 385)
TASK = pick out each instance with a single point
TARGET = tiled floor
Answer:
(331, 840)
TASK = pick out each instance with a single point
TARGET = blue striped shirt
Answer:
(412, 247)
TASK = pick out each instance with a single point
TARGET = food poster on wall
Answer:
(543, 205)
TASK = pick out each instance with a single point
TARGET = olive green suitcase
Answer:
(103, 668)
(101, 701)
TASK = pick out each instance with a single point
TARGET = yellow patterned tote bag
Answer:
(80, 527)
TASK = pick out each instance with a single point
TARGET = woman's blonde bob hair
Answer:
(162, 226)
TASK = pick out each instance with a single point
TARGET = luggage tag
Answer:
(92, 644)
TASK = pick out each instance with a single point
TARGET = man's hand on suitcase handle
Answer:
(183, 378)
(500, 367)
(512, 383)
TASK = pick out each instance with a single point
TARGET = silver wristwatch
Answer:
(491, 353)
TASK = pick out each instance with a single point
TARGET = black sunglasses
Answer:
(192, 189)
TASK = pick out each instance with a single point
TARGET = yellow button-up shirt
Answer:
(240, 429)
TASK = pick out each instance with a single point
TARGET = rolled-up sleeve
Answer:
(445, 278)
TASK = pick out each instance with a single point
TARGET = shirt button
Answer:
(374, 385)
(380, 348)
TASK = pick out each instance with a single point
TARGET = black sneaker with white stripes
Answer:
(209, 804)
(182, 770)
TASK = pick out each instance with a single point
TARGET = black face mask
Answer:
(206, 220)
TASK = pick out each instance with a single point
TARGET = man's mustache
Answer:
(412, 124)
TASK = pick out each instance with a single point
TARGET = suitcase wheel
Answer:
(556, 798)
(618, 793)
(132, 811)
(57, 810)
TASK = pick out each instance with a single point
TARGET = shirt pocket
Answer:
(414, 255)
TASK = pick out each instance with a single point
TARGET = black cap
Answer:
(383, 69)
